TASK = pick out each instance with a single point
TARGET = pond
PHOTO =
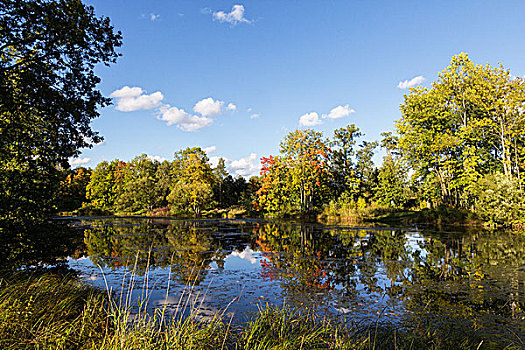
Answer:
(467, 280)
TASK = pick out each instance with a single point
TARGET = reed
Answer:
(47, 311)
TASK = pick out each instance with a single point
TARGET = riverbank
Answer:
(435, 217)
(402, 217)
(54, 311)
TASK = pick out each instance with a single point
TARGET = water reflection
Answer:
(472, 280)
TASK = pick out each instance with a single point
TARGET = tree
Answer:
(342, 165)
(48, 96)
(468, 124)
(365, 171)
(392, 188)
(220, 174)
(274, 194)
(297, 180)
(140, 191)
(193, 180)
(106, 185)
(72, 193)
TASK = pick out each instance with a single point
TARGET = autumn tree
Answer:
(274, 194)
(72, 193)
(297, 179)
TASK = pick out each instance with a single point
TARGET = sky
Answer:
(235, 77)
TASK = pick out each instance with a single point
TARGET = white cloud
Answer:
(210, 149)
(184, 121)
(79, 161)
(153, 16)
(131, 99)
(339, 112)
(214, 161)
(255, 116)
(208, 107)
(234, 17)
(412, 82)
(249, 110)
(310, 119)
(156, 158)
(247, 166)
(246, 254)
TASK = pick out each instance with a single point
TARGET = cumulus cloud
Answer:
(412, 82)
(246, 254)
(310, 119)
(214, 161)
(153, 17)
(157, 158)
(210, 149)
(208, 107)
(247, 166)
(339, 112)
(255, 116)
(131, 99)
(234, 17)
(184, 120)
(79, 161)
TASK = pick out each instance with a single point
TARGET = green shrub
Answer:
(499, 200)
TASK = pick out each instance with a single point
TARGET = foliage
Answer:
(342, 165)
(140, 191)
(72, 192)
(467, 125)
(48, 96)
(392, 187)
(193, 179)
(106, 184)
(499, 200)
(296, 180)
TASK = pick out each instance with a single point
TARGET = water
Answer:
(470, 280)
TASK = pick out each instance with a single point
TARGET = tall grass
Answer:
(52, 312)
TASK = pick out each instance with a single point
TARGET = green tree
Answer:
(48, 96)
(468, 124)
(342, 165)
(365, 170)
(274, 195)
(140, 190)
(106, 184)
(306, 155)
(392, 188)
(193, 180)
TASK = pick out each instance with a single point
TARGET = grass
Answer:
(47, 311)
(400, 217)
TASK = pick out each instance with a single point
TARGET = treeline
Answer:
(186, 185)
(459, 144)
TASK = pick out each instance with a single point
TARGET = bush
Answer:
(499, 200)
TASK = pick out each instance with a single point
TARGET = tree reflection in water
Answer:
(473, 279)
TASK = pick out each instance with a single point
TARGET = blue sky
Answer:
(236, 77)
